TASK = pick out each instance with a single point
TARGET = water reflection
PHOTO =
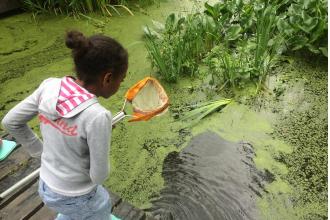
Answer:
(210, 179)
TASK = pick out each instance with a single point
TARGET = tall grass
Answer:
(74, 7)
(268, 43)
(229, 66)
(180, 46)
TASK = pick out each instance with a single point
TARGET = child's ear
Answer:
(107, 77)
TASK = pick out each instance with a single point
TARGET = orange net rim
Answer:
(133, 91)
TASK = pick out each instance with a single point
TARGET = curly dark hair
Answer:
(96, 55)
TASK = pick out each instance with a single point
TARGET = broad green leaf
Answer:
(299, 42)
(319, 30)
(308, 22)
(295, 20)
(181, 20)
(308, 4)
(170, 21)
(313, 49)
(233, 32)
(307, 28)
(209, 10)
(295, 9)
(239, 4)
(324, 51)
(284, 27)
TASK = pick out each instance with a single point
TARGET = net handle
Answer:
(120, 115)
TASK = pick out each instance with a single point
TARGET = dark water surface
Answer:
(210, 179)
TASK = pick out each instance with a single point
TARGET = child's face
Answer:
(111, 84)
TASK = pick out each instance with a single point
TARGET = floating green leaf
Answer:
(204, 109)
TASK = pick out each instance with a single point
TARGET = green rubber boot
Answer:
(6, 148)
(114, 217)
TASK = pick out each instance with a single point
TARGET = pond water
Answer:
(211, 178)
(229, 166)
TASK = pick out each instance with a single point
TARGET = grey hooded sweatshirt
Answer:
(76, 132)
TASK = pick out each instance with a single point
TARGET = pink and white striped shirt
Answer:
(70, 96)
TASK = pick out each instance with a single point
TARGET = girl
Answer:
(75, 128)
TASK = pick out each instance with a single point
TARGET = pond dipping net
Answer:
(148, 99)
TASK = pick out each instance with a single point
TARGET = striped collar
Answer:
(71, 95)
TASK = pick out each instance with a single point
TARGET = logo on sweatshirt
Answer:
(59, 124)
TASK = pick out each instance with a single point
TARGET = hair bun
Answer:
(77, 41)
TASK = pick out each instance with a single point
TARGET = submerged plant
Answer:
(202, 110)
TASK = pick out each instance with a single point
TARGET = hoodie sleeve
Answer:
(98, 139)
(15, 122)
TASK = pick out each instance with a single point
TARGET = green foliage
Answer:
(304, 23)
(251, 59)
(248, 37)
(229, 66)
(177, 46)
(202, 110)
(247, 29)
(232, 18)
(268, 44)
(73, 7)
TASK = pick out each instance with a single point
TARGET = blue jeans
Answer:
(93, 205)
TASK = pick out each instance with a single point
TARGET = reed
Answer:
(177, 47)
(74, 7)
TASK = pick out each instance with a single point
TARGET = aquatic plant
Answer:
(304, 23)
(307, 130)
(202, 110)
(232, 18)
(176, 47)
(168, 58)
(252, 56)
(74, 7)
(268, 43)
(229, 67)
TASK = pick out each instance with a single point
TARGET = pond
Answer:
(231, 165)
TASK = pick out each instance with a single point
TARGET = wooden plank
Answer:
(115, 199)
(3, 135)
(122, 210)
(24, 206)
(44, 214)
(5, 201)
(23, 171)
(7, 137)
(18, 158)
